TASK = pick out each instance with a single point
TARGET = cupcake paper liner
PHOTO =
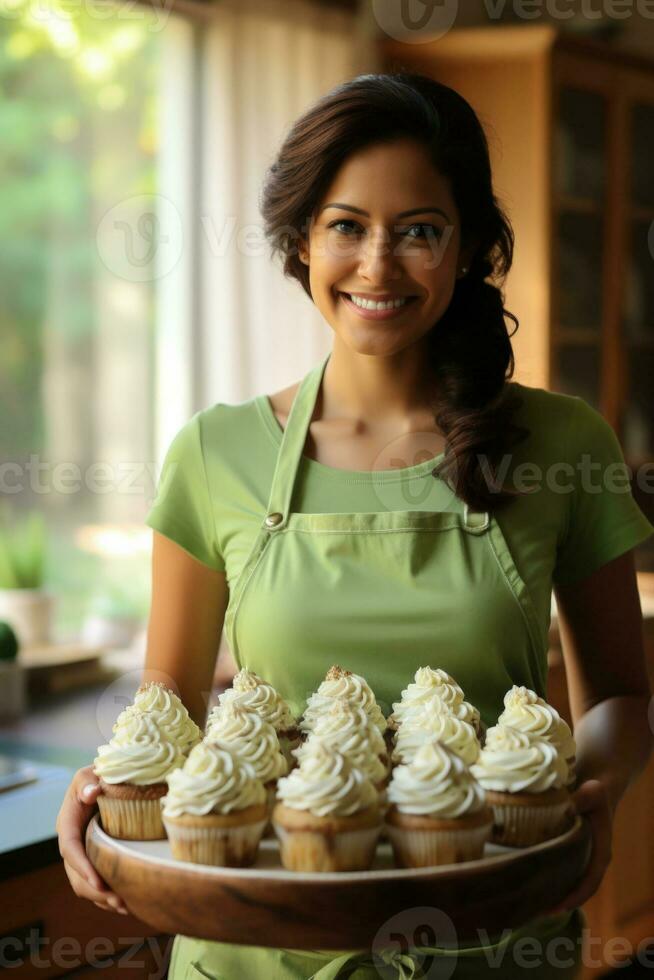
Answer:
(131, 819)
(524, 825)
(230, 847)
(415, 848)
(310, 850)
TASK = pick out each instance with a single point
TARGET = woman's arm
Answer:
(601, 629)
(189, 600)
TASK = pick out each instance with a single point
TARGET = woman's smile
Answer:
(369, 310)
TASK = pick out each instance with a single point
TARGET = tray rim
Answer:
(283, 875)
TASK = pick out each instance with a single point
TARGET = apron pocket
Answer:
(195, 972)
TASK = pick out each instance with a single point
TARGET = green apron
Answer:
(381, 594)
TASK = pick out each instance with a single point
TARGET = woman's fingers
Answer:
(73, 817)
(77, 809)
(594, 805)
(103, 899)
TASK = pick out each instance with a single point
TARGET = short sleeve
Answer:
(603, 520)
(182, 509)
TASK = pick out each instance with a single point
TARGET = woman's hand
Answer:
(592, 800)
(76, 810)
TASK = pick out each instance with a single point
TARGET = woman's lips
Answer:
(377, 314)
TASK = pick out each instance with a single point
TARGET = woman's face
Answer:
(384, 253)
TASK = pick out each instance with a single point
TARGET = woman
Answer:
(377, 514)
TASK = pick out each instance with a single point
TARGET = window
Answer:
(88, 234)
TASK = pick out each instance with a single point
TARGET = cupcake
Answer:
(429, 681)
(327, 817)
(254, 740)
(531, 714)
(169, 713)
(524, 778)
(431, 722)
(249, 691)
(438, 812)
(132, 769)
(215, 809)
(340, 683)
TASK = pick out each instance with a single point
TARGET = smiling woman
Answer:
(389, 148)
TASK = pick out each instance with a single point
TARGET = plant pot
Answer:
(29, 613)
(109, 631)
(13, 690)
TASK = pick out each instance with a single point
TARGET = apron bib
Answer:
(379, 593)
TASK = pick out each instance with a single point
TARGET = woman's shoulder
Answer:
(562, 426)
(552, 413)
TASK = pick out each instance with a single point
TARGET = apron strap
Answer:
(290, 451)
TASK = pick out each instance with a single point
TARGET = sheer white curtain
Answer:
(265, 61)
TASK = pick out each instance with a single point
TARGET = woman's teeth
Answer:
(368, 304)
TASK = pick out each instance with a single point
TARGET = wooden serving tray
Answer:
(334, 910)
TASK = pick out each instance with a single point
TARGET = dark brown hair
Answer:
(470, 347)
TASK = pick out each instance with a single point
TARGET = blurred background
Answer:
(136, 288)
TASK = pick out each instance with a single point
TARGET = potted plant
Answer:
(12, 676)
(113, 619)
(24, 603)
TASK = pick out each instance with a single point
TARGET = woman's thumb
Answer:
(587, 795)
(88, 791)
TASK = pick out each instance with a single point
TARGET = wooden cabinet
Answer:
(570, 124)
(47, 931)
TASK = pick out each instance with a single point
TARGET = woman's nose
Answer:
(379, 260)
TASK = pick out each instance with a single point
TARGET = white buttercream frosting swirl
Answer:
(350, 727)
(138, 752)
(421, 726)
(360, 756)
(326, 783)
(251, 736)
(340, 683)
(434, 703)
(531, 714)
(168, 712)
(213, 779)
(435, 783)
(427, 681)
(249, 691)
(514, 762)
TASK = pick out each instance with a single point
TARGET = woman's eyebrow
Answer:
(402, 214)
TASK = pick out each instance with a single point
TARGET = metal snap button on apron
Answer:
(272, 520)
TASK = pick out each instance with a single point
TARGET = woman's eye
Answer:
(430, 231)
(335, 224)
(427, 231)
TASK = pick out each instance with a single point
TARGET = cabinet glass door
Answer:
(580, 185)
(637, 428)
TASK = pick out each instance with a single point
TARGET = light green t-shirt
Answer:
(215, 481)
